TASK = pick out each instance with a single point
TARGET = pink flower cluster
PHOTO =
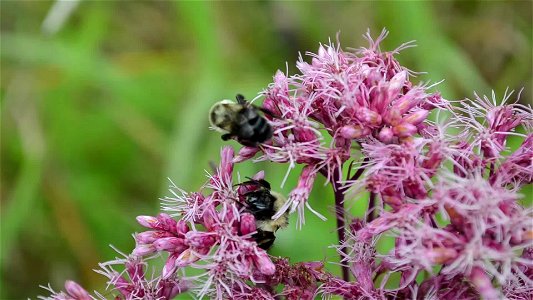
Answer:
(445, 191)
(351, 96)
(450, 201)
(452, 207)
(214, 235)
(131, 283)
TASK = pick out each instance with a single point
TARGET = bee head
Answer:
(222, 114)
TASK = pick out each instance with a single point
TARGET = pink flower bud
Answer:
(441, 255)
(434, 158)
(354, 131)
(374, 76)
(368, 116)
(322, 52)
(277, 94)
(182, 228)
(301, 192)
(200, 240)
(259, 175)
(247, 224)
(170, 291)
(263, 263)
(245, 153)
(409, 100)
(171, 244)
(379, 98)
(393, 117)
(404, 130)
(416, 117)
(122, 285)
(226, 162)
(483, 284)
(386, 135)
(186, 258)
(135, 269)
(433, 101)
(170, 265)
(165, 222)
(147, 221)
(396, 84)
(302, 134)
(149, 237)
(280, 78)
(208, 218)
(414, 189)
(144, 249)
(76, 291)
(229, 217)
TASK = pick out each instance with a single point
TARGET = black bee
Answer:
(241, 121)
(263, 204)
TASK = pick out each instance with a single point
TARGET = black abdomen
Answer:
(253, 128)
(264, 239)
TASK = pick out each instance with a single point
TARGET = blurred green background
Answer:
(103, 100)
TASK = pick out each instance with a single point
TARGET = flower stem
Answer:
(339, 213)
(370, 210)
(339, 190)
(491, 170)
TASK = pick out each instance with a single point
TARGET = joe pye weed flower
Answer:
(447, 191)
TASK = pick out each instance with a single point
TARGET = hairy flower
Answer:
(214, 236)
(487, 233)
(354, 97)
(73, 292)
(492, 123)
(300, 280)
(134, 282)
(397, 171)
(359, 254)
(347, 290)
(444, 190)
(516, 169)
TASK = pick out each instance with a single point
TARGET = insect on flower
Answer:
(241, 121)
(263, 203)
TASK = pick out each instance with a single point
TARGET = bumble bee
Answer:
(241, 121)
(262, 203)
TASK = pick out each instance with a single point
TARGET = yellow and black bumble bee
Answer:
(263, 203)
(241, 121)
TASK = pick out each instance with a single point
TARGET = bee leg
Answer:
(248, 143)
(267, 112)
(226, 136)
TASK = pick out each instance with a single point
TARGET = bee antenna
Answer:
(240, 99)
